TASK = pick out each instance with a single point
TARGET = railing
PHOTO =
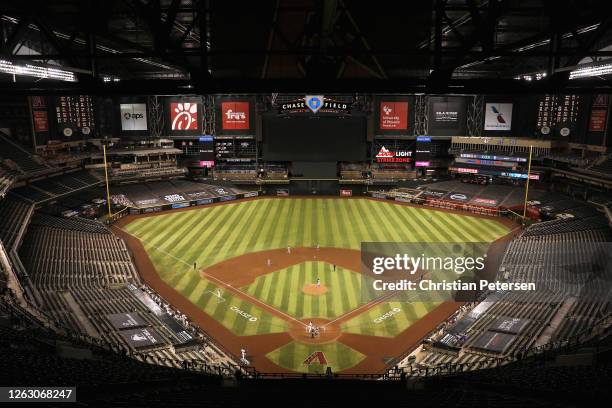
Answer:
(117, 216)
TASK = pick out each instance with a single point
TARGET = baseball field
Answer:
(256, 273)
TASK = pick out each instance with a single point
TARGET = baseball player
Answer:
(243, 358)
(318, 282)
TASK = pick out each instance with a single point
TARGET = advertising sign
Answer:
(447, 116)
(122, 321)
(133, 116)
(597, 122)
(346, 193)
(183, 116)
(141, 338)
(498, 116)
(41, 120)
(385, 155)
(393, 115)
(235, 115)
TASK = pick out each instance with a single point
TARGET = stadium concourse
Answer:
(305, 203)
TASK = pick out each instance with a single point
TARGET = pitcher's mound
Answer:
(312, 289)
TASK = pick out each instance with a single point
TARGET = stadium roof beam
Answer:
(301, 85)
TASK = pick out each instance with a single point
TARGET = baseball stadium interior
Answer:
(192, 191)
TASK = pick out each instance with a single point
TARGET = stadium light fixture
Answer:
(592, 71)
(8, 67)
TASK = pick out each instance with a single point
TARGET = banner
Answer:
(447, 116)
(133, 116)
(393, 115)
(597, 122)
(235, 115)
(599, 114)
(142, 338)
(121, 321)
(183, 116)
(41, 121)
(346, 193)
(498, 116)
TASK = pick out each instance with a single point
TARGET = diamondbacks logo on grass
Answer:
(316, 358)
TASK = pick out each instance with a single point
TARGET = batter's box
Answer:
(217, 294)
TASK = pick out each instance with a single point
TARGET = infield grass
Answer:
(283, 289)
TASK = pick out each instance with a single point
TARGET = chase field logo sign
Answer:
(314, 102)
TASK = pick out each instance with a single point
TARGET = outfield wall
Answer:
(192, 203)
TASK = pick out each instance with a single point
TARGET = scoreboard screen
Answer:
(206, 148)
(557, 112)
(74, 115)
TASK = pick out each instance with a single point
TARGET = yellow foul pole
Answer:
(527, 184)
(106, 177)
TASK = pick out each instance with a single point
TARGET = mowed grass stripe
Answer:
(359, 226)
(252, 227)
(348, 222)
(287, 221)
(237, 231)
(175, 236)
(294, 291)
(340, 302)
(373, 234)
(187, 247)
(269, 222)
(199, 220)
(260, 224)
(224, 231)
(220, 226)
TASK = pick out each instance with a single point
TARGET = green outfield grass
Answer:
(208, 235)
(292, 356)
(283, 290)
